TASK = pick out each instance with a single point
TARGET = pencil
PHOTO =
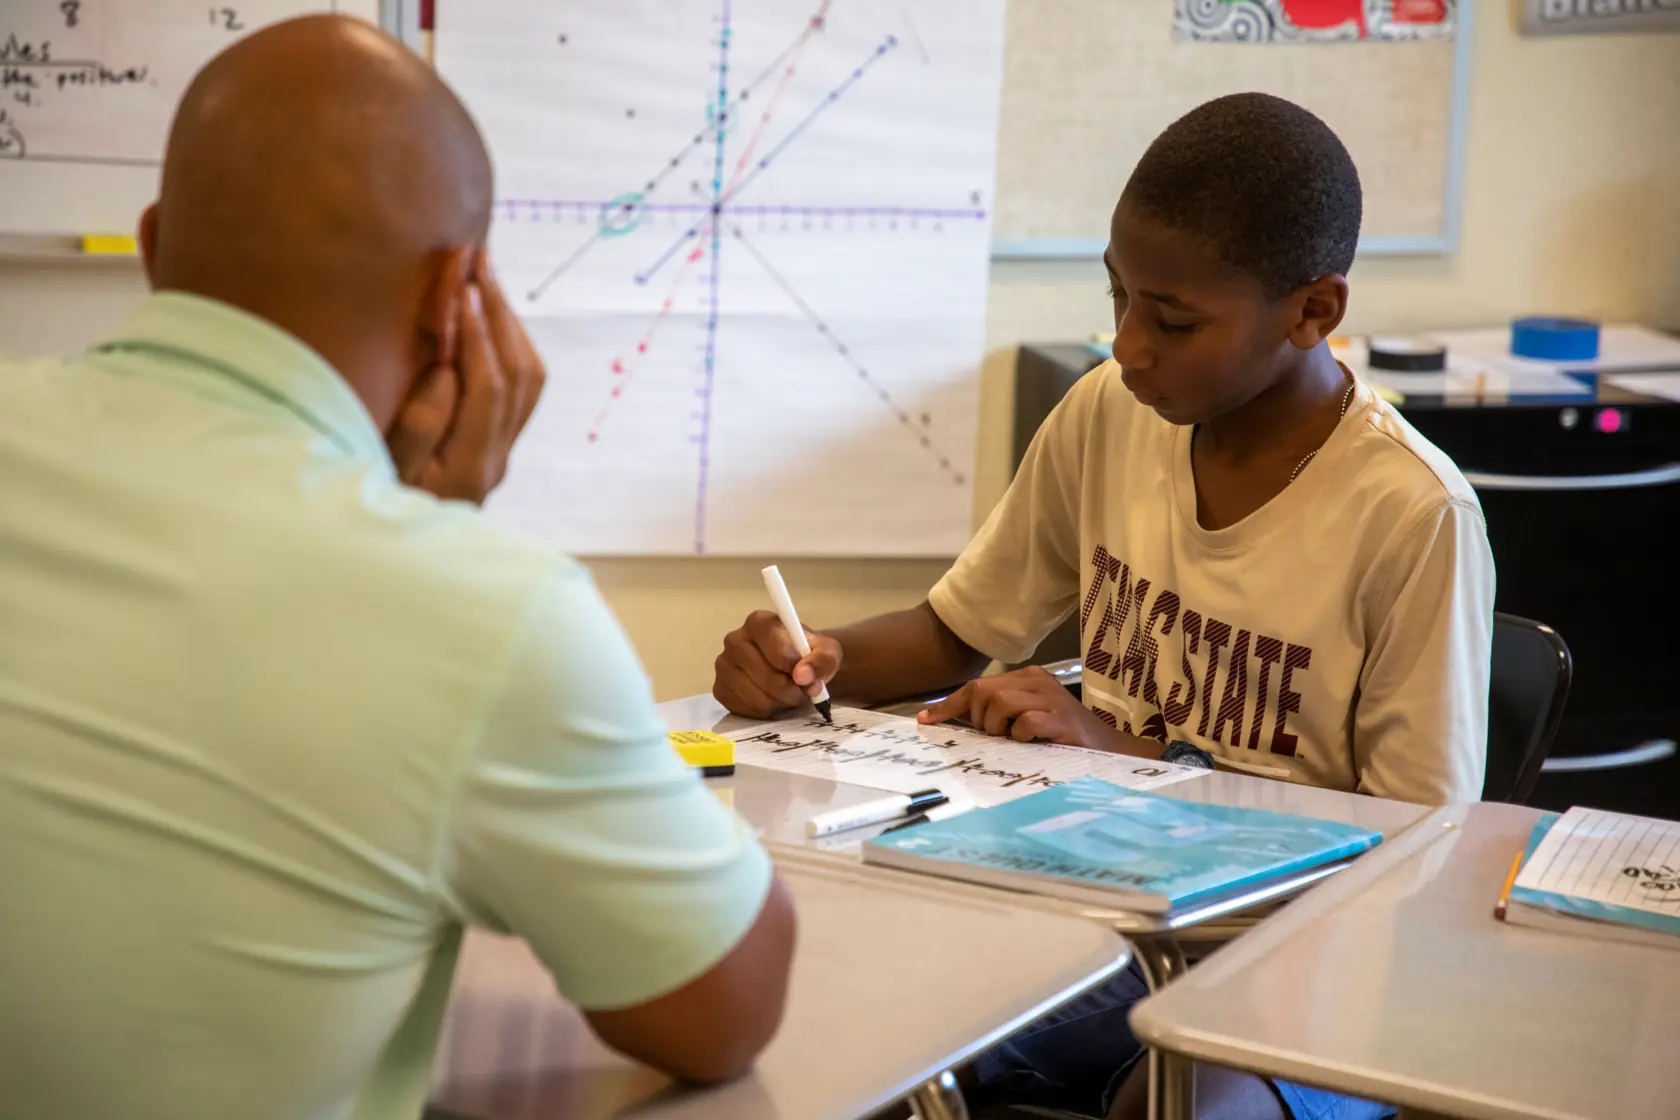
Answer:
(1505, 892)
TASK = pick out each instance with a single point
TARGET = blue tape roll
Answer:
(1554, 339)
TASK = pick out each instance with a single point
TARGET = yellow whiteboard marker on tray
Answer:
(110, 245)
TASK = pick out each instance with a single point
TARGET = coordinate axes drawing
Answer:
(713, 199)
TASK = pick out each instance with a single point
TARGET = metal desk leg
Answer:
(1172, 1079)
(939, 1099)
(1161, 958)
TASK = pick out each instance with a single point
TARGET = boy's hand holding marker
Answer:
(760, 672)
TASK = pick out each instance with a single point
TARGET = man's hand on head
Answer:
(453, 435)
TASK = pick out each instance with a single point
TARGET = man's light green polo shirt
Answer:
(273, 727)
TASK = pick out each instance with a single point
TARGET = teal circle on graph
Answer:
(622, 215)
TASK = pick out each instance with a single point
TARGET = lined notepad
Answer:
(898, 754)
(1599, 873)
(1613, 858)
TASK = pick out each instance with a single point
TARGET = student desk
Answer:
(779, 804)
(883, 1001)
(1394, 981)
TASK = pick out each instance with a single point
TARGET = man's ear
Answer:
(148, 236)
(439, 325)
(1322, 304)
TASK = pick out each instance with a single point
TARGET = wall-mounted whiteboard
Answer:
(87, 91)
(1089, 83)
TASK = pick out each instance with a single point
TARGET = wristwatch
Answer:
(1187, 754)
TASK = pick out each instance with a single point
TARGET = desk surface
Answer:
(882, 999)
(1395, 981)
(778, 805)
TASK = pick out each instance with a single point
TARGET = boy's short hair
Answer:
(1263, 180)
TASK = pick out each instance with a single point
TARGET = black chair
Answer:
(1531, 672)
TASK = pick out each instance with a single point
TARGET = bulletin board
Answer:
(1089, 83)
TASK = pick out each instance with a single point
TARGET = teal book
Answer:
(1607, 875)
(1097, 843)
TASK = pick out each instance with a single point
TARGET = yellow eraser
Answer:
(110, 245)
(712, 753)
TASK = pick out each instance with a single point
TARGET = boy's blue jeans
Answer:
(1075, 1059)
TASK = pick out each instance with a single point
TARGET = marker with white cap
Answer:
(874, 812)
(790, 619)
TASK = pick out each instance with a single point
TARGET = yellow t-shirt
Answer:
(274, 727)
(1339, 636)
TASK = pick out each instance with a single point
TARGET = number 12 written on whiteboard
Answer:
(227, 19)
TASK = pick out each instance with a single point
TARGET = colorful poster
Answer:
(1312, 21)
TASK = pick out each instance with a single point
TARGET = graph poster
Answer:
(751, 241)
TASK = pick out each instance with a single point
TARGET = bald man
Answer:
(280, 714)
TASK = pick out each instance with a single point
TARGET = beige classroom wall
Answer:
(1572, 204)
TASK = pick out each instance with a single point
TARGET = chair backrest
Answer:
(1531, 672)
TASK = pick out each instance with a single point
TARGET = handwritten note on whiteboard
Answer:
(1612, 858)
(87, 91)
(898, 754)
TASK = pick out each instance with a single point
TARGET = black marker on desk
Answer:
(874, 812)
(790, 619)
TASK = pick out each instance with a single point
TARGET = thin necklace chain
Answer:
(1347, 399)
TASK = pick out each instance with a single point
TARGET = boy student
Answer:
(1273, 571)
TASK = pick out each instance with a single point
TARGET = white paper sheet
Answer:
(898, 754)
(1664, 385)
(797, 376)
(87, 91)
(1611, 858)
(1470, 373)
(1467, 379)
(1621, 346)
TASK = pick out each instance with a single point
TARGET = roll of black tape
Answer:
(1408, 355)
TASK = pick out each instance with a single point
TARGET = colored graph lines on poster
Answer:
(752, 243)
